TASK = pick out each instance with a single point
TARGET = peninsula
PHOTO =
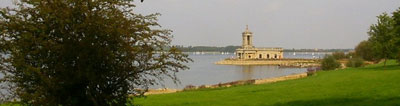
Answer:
(250, 55)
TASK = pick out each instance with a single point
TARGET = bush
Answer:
(398, 58)
(189, 87)
(329, 63)
(365, 51)
(203, 86)
(351, 55)
(339, 55)
(312, 70)
(355, 62)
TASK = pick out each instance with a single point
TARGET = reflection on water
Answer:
(260, 72)
(203, 71)
(247, 72)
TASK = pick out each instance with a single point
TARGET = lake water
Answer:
(203, 71)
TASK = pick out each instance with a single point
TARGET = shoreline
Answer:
(275, 62)
(229, 84)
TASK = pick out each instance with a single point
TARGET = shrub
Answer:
(355, 62)
(398, 58)
(311, 71)
(203, 86)
(329, 63)
(365, 51)
(189, 87)
(339, 55)
(351, 55)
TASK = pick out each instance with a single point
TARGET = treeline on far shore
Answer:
(232, 49)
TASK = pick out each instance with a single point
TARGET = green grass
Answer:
(371, 85)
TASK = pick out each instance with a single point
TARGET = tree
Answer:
(396, 19)
(231, 48)
(365, 51)
(83, 52)
(329, 63)
(383, 37)
(339, 55)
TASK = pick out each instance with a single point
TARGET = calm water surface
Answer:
(203, 71)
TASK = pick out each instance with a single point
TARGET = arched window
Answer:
(267, 56)
(260, 56)
(276, 56)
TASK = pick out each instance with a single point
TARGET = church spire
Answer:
(247, 29)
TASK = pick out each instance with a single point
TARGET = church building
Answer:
(248, 51)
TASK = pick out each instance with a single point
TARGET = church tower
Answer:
(247, 39)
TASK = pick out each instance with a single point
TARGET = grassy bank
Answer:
(371, 85)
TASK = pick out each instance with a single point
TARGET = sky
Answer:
(324, 24)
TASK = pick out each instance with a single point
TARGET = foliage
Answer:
(347, 87)
(82, 52)
(396, 19)
(398, 58)
(384, 40)
(355, 62)
(350, 55)
(365, 51)
(382, 36)
(339, 55)
(329, 63)
(189, 87)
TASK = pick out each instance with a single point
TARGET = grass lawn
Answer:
(371, 85)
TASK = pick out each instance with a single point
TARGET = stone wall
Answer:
(289, 77)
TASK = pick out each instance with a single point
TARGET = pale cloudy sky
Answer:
(275, 23)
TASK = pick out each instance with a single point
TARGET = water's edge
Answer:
(229, 84)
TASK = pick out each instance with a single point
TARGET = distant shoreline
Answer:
(288, 62)
(232, 49)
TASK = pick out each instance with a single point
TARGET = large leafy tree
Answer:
(382, 36)
(82, 52)
(396, 19)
